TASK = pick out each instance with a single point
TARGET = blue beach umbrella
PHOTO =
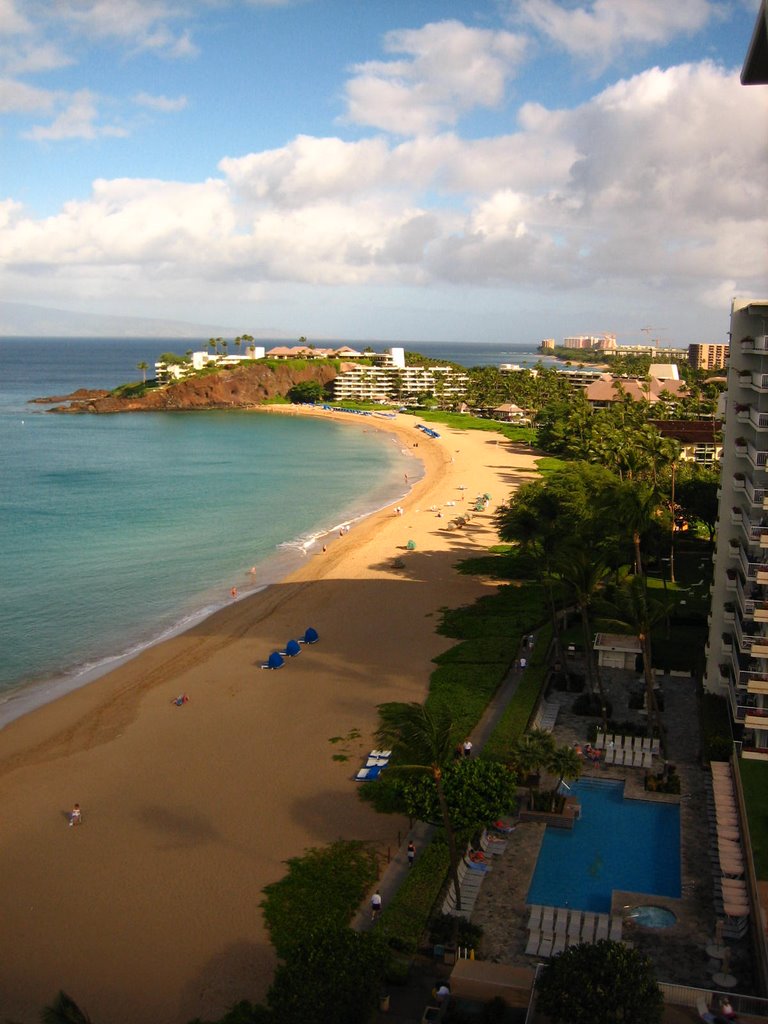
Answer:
(310, 636)
(292, 648)
(275, 660)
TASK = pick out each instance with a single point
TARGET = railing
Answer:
(687, 995)
(759, 420)
(749, 642)
(757, 457)
(753, 570)
(744, 676)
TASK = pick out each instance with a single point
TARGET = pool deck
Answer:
(679, 952)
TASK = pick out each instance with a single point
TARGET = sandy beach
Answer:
(150, 910)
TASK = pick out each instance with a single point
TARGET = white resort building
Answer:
(737, 650)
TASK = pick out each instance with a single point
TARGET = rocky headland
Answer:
(240, 387)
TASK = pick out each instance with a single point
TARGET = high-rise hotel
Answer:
(737, 651)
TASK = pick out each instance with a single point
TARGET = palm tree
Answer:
(640, 612)
(584, 571)
(422, 742)
(566, 764)
(529, 754)
(636, 507)
(143, 367)
(64, 1010)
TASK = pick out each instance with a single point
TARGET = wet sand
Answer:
(150, 910)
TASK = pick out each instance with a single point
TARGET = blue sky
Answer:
(499, 170)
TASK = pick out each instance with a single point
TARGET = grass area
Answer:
(517, 714)
(548, 464)
(463, 421)
(754, 779)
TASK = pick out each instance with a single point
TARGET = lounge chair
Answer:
(574, 928)
(377, 762)
(534, 941)
(275, 660)
(545, 949)
(380, 753)
(310, 636)
(534, 918)
(559, 944)
(548, 919)
(368, 774)
(647, 759)
(616, 926)
(599, 740)
(647, 745)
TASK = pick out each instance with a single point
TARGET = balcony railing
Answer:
(755, 571)
(751, 604)
(756, 381)
(756, 456)
(746, 675)
(755, 644)
(754, 533)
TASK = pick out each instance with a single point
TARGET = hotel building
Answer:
(737, 650)
(708, 357)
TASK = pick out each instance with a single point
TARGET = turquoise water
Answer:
(632, 845)
(117, 530)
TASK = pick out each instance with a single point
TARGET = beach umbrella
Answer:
(411, 545)
(275, 660)
(310, 636)
(292, 648)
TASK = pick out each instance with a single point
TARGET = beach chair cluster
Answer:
(726, 852)
(427, 430)
(473, 868)
(374, 765)
(553, 929)
(546, 717)
(629, 751)
(292, 649)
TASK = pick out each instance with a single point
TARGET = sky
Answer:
(456, 170)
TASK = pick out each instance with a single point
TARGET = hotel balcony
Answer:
(750, 602)
(754, 533)
(747, 675)
(757, 572)
(755, 381)
(757, 345)
(755, 644)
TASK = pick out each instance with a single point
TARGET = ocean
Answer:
(117, 531)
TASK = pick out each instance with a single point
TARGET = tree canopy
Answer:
(601, 983)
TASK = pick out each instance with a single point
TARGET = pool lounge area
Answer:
(679, 950)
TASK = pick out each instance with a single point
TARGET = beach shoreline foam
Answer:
(150, 911)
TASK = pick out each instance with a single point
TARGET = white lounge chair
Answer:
(534, 941)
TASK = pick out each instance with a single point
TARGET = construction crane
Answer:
(658, 330)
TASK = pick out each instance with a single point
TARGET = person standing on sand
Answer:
(411, 853)
(76, 816)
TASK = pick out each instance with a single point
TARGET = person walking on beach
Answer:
(375, 905)
(76, 816)
(411, 853)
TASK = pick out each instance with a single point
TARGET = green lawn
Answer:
(754, 779)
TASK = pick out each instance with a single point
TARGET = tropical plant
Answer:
(601, 983)
(529, 754)
(143, 365)
(422, 742)
(566, 763)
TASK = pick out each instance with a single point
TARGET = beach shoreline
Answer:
(189, 812)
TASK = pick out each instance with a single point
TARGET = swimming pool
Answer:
(633, 845)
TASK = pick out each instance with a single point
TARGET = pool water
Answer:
(633, 845)
(651, 917)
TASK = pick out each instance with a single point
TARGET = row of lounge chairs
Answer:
(633, 744)
(473, 868)
(726, 853)
(553, 929)
(628, 758)
(374, 765)
(547, 716)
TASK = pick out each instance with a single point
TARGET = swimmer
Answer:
(233, 592)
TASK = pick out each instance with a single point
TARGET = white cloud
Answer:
(138, 24)
(17, 97)
(448, 70)
(641, 183)
(164, 104)
(12, 21)
(600, 29)
(78, 120)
